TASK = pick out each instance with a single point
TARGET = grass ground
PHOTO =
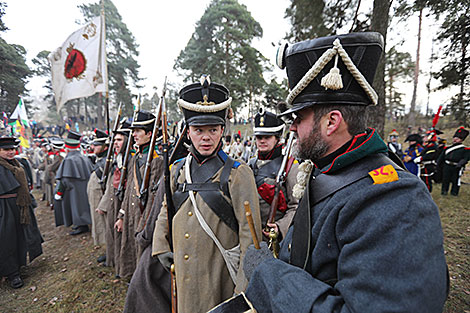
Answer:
(67, 278)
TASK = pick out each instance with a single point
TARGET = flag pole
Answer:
(103, 42)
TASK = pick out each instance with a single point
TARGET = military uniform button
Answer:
(190, 213)
(186, 257)
(132, 203)
(186, 235)
(289, 246)
(194, 192)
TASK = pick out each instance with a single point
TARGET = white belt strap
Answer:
(232, 256)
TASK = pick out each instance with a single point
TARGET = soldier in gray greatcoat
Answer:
(71, 206)
(367, 235)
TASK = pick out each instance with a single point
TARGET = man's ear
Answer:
(333, 121)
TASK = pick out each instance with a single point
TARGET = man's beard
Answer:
(313, 147)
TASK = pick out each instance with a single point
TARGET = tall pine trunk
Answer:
(412, 116)
(379, 23)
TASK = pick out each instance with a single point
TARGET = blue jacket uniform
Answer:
(413, 151)
(375, 246)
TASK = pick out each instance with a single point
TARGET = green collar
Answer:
(362, 145)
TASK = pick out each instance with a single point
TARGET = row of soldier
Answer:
(357, 231)
(429, 158)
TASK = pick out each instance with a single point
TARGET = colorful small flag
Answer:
(20, 114)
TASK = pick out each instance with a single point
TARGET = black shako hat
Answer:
(101, 138)
(124, 126)
(144, 119)
(9, 143)
(73, 140)
(204, 103)
(57, 143)
(461, 133)
(267, 123)
(335, 70)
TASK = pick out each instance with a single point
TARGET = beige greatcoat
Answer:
(98, 221)
(202, 277)
(134, 219)
(110, 204)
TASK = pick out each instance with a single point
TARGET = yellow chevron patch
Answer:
(384, 174)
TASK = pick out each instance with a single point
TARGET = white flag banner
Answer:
(78, 67)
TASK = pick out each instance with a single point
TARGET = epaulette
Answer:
(224, 158)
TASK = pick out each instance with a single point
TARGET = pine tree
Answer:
(221, 47)
(454, 32)
(398, 68)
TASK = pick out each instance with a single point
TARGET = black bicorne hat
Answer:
(204, 103)
(414, 137)
(73, 140)
(461, 133)
(9, 143)
(144, 119)
(101, 138)
(335, 70)
(267, 123)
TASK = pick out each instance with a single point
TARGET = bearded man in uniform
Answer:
(366, 236)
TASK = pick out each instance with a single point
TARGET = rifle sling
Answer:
(137, 178)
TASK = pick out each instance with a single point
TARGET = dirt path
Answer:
(66, 278)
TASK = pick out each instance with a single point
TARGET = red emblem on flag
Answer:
(75, 64)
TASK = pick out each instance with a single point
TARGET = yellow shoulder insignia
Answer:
(384, 174)
(295, 161)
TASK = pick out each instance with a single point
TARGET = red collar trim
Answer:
(72, 147)
(351, 147)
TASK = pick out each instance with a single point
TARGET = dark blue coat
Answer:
(375, 248)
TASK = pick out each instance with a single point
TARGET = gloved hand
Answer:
(166, 259)
(254, 257)
(57, 197)
(417, 160)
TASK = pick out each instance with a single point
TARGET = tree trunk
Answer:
(379, 23)
(428, 86)
(412, 116)
(463, 78)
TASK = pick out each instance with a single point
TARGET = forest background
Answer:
(225, 41)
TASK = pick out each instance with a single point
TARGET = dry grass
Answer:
(455, 217)
(67, 278)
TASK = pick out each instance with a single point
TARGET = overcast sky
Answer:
(163, 28)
